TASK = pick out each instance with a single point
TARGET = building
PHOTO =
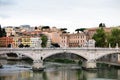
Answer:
(6, 41)
(35, 42)
(25, 40)
(90, 43)
(9, 31)
(53, 34)
(64, 42)
(73, 40)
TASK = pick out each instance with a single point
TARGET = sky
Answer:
(70, 14)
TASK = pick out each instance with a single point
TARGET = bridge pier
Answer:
(38, 65)
(89, 65)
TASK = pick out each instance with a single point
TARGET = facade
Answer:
(6, 41)
(73, 40)
(90, 43)
(77, 39)
(9, 31)
(16, 42)
(35, 42)
(53, 34)
(25, 41)
(64, 42)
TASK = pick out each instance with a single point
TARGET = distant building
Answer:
(64, 42)
(90, 43)
(25, 27)
(25, 40)
(6, 41)
(73, 40)
(9, 31)
(35, 42)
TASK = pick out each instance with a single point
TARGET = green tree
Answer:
(3, 32)
(21, 45)
(0, 31)
(102, 25)
(114, 37)
(100, 38)
(63, 30)
(44, 40)
(81, 29)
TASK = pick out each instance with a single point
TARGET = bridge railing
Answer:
(80, 48)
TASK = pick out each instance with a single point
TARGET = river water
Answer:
(21, 70)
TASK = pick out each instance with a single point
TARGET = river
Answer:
(21, 70)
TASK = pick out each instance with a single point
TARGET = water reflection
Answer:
(56, 72)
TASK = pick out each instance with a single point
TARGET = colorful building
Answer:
(6, 41)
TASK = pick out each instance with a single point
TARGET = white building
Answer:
(90, 43)
(35, 42)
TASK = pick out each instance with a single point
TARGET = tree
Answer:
(21, 45)
(81, 29)
(27, 45)
(35, 28)
(44, 40)
(9, 45)
(63, 30)
(114, 37)
(4, 32)
(102, 25)
(0, 31)
(100, 38)
(55, 45)
(45, 27)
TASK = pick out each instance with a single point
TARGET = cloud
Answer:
(6, 2)
(4, 16)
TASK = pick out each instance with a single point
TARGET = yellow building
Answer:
(26, 41)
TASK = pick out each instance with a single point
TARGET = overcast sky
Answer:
(71, 14)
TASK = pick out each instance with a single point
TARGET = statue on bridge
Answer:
(38, 43)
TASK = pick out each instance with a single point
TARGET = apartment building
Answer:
(73, 40)
(9, 31)
(6, 41)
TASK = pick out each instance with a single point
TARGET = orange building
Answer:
(5, 41)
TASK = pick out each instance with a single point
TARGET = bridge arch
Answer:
(105, 54)
(62, 52)
(23, 53)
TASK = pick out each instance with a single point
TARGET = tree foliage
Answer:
(63, 29)
(81, 29)
(44, 40)
(2, 32)
(100, 38)
(45, 27)
(114, 37)
(21, 45)
(55, 45)
(102, 25)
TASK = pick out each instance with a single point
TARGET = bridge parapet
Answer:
(90, 54)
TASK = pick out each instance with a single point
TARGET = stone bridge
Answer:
(39, 54)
